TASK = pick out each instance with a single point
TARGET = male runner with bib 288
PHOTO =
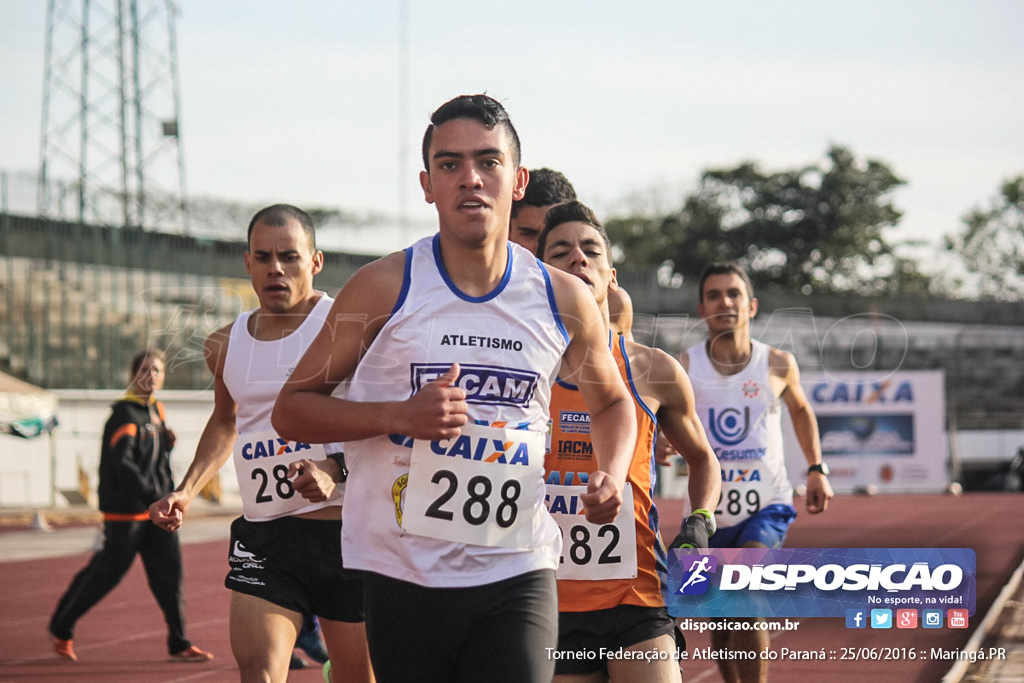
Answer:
(610, 579)
(284, 557)
(451, 347)
(740, 385)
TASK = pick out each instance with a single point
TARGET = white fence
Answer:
(33, 473)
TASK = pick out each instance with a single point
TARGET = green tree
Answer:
(991, 244)
(818, 228)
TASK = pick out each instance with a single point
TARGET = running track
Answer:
(122, 639)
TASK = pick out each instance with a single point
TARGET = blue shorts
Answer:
(767, 526)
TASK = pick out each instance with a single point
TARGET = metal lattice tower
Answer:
(110, 149)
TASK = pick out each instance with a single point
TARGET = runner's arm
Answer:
(819, 491)
(592, 368)
(215, 443)
(677, 416)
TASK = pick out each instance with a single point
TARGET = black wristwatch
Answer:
(339, 458)
(820, 467)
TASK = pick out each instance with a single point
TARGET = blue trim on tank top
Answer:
(406, 281)
(436, 247)
(632, 385)
(551, 301)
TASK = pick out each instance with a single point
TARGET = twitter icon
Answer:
(881, 618)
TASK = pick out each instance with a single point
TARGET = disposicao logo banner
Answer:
(817, 582)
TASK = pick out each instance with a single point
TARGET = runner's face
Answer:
(526, 225)
(472, 180)
(150, 377)
(578, 249)
(726, 305)
(281, 263)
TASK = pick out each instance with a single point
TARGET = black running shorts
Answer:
(295, 563)
(585, 638)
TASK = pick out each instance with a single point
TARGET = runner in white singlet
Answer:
(451, 347)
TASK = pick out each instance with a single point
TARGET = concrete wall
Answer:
(25, 471)
(25, 465)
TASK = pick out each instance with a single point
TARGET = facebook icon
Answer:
(855, 618)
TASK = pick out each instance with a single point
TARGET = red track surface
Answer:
(122, 638)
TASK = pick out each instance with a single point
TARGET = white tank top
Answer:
(254, 372)
(509, 344)
(743, 419)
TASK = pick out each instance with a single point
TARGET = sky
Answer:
(305, 102)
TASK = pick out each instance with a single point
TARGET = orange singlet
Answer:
(570, 460)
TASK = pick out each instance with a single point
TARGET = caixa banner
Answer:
(817, 582)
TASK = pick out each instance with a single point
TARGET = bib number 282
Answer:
(593, 552)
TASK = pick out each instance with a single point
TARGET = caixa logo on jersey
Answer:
(489, 384)
(268, 448)
(483, 449)
(730, 425)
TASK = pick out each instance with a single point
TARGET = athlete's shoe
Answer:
(310, 642)
(296, 662)
(65, 648)
(326, 671)
(191, 654)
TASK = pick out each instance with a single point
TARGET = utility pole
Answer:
(110, 150)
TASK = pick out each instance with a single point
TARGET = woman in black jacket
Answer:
(135, 471)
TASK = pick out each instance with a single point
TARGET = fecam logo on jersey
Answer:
(729, 427)
(574, 421)
(268, 448)
(488, 384)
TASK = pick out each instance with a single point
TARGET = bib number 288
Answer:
(476, 509)
(454, 496)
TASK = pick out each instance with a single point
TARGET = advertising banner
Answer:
(884, 430)
(820, 582)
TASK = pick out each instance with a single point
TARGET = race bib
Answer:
(593, 552)
(745, 491)
(261, 462)
(479, 488)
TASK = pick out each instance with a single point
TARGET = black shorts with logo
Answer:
(295, 563)
(612, 629)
